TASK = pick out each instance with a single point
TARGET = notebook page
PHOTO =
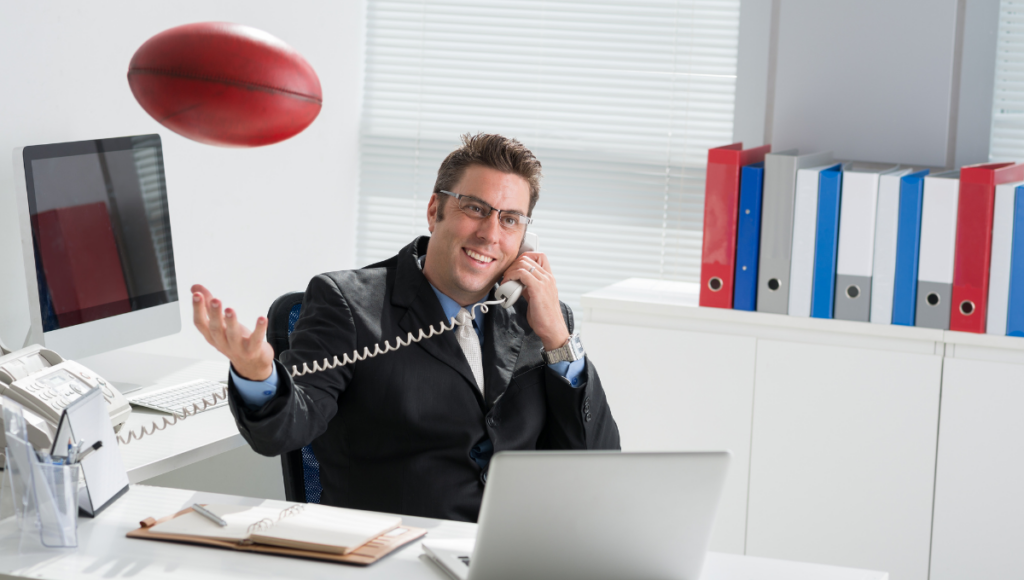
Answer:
(327, 529)
(239, 518)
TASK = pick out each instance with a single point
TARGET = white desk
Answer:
(104, 552)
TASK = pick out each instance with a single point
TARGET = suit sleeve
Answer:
(577, 418)
(303, 406)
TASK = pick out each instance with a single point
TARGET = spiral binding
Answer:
(267, 523)
(356, 356)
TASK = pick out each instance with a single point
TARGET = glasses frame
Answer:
(525, 220)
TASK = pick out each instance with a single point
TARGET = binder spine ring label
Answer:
(933, 299)
(967, 308)
(774, 284)
(715, 284)
(852, 291)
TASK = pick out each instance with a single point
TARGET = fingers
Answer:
(199, 317)
(255, 340)
(221, 328)
(541, 259)
(199, 288)
(234, 333)
(216, 324)
(526, 269)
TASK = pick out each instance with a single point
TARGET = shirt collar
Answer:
(451, 308)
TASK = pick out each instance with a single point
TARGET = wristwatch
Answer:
(571, 351)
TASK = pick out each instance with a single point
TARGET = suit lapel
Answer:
(502, 343)
(413, 292)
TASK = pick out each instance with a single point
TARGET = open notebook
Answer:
(309, 527)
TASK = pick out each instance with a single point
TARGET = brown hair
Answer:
(494, 151)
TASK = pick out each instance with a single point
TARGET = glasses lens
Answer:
(474, 208)
(512, 221)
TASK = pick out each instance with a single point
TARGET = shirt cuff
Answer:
(571, 371)
(255, 394)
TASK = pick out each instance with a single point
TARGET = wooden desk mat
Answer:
(365, 555)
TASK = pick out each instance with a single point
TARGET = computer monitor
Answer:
(96, 243)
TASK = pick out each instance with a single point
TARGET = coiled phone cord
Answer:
(346, 359)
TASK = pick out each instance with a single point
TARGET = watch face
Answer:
(577, 346)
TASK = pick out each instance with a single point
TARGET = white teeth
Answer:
(479, 257)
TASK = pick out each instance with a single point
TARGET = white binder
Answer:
(805, 227)
(999, 267)
(883, 272)
(855, 261)
(938, 249)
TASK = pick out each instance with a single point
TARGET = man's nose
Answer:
(489, 228)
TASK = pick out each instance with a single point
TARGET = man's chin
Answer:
(476, 286)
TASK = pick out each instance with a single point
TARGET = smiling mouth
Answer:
(478, 257)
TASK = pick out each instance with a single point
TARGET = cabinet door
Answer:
(672, 390)
(979, 482)
(843, 456)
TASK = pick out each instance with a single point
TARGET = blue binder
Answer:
(1015, 307)
(748, 237)
(908, 248)
(826, 242)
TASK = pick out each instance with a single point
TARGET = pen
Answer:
(88, 450)
(73, 450)
(209, 515)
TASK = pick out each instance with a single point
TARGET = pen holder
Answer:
(44, 497)
(44, 494)
(56, 495)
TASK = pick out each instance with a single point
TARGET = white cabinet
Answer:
(843, 456)
(979, 491)
(849, 439)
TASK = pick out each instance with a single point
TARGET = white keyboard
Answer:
(175, 399)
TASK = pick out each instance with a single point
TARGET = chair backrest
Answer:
(300, 468)
(281, 320)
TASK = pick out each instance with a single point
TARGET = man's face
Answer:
(467, 256)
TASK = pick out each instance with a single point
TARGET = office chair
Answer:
(300, 467)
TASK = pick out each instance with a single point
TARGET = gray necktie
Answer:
(470, 343)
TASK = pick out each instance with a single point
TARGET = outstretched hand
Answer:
(249, 352)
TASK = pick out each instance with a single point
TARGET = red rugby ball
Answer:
(225, 84)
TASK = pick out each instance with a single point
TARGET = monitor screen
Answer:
(101, 232)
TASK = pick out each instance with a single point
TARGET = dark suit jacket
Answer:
(394, 433)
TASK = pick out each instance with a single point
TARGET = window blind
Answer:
(1007, 141)
(619, 100)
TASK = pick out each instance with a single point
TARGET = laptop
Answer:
(590, 515)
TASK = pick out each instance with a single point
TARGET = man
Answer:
(412, 431)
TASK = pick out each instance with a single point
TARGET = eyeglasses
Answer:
(479, 209)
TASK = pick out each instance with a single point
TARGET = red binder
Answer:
(975, 209)
(721, 212)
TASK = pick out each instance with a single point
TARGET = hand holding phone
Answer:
(509, 292)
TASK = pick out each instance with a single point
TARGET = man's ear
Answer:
(432, 211)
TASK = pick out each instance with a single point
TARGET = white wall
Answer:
(250, 224)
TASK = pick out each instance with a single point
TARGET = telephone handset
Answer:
(509, 292)
(44, 384)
